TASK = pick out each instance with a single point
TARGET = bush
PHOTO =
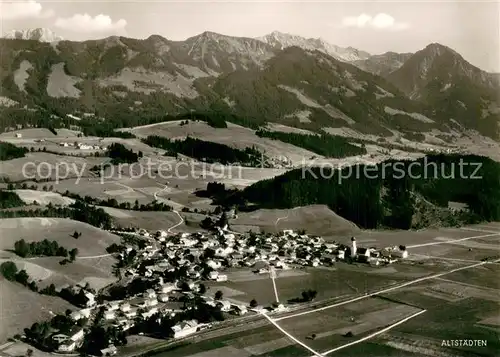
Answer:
(9, 270)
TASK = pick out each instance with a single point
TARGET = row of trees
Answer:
(120, 154)
(324, 144)
(9, 151)
(206, 151)
(10, 272)
(78, 211)
(111, 202)
(43, 248)
(10, 200)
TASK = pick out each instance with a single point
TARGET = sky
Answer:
(470, 28)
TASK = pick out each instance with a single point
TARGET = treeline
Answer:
(10, 200)
(9, 151)
(11, 273)
(111, 202)
(43, 248)
(206, 151)
(324, 144)
(385, 195)
(215, 119)
(77, 211)
(120, 154)
(107, 119)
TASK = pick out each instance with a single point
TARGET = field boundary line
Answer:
(388, 289)
(315, 354)
(374, 334)
(445, 258)
(453, 240)
(478, 230)
(94, 256)
(469, 285)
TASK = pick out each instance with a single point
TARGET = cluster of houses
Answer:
(180, 264)
(82, 146)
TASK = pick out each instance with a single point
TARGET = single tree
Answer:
(9, 270)
(202, 289)
(253, 303)
(218, 295)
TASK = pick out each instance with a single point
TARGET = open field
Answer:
(459, 305)
(338, 282)
(39, 138)
(330, 326)
(316, 220)
(43, 197)
(93, 241)
(43, 165)
(148, 220)
(234, 135)
(20, 308)
(93, 263)
(175, 182)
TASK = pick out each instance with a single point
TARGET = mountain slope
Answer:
(445, 81)
(132, 82)
(312, 89)
(282, 40)
(383, 64)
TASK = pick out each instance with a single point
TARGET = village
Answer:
(163, 279)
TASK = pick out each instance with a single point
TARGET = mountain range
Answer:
(283, 78)
(37, 34)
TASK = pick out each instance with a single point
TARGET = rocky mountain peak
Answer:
(37, 34)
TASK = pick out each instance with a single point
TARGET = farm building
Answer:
(185, 328)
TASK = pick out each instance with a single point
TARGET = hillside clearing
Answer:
(315, 219)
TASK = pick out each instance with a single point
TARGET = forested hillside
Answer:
(388, 195)
(207, 151)
(324, 144)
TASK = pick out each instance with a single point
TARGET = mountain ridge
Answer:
(36, 34)
(239, 76)
(282, 40)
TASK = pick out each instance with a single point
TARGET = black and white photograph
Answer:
(249, 178)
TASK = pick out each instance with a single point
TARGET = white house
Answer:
(150, 312)
(166, 288)
(289, 232)
(161, 234)
(109, 315)
(240, 310)
(150, 293)
(83, 313)
(214, 264)
(85, 147)
(75, 333)
(400, 253)
(152, 302)
(131, 313)
(125, 307)
(163, 297)
(224, 305)
(221, 277)
(223, 252)
(113, 305)
(109, 351)
(185, 328)
(213, 275)
(90, 299)
(68, 342)
(67, 346)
